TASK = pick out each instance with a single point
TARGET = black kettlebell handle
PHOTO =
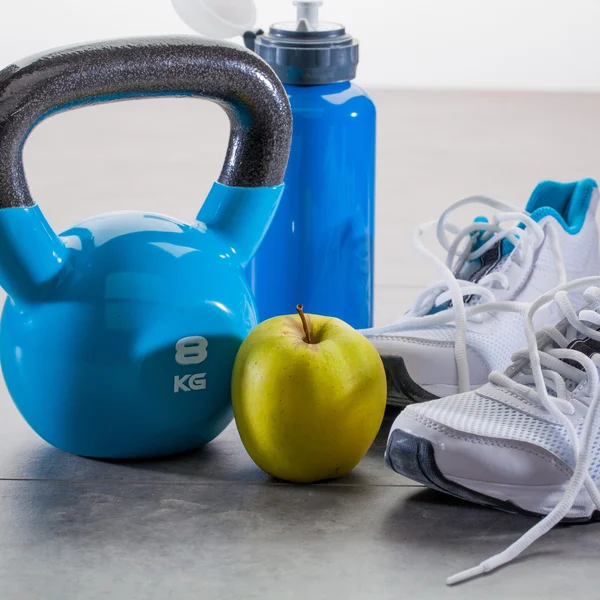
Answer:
(242, 83)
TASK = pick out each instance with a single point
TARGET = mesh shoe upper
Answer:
(475, 415)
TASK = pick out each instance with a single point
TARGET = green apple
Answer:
(309, 394)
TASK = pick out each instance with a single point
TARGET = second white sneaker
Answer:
(529, 440)
(469, 323)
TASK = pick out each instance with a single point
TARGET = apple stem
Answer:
(300, 310)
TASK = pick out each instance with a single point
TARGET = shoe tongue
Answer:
(576, 341)
(581, 343)
(474, 270)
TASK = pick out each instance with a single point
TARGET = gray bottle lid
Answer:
(308, 51)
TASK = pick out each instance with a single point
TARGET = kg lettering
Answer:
(189, 383)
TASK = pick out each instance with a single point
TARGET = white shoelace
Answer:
(455, 290)
(545, 367)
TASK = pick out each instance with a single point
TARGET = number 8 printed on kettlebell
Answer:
(191, 350)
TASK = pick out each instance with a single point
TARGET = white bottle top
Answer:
(223, 19)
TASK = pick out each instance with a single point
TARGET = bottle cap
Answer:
(308, 51)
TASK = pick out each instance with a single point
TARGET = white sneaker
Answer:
(529, 440)
(464, 327)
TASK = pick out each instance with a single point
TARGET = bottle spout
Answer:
(308, 14)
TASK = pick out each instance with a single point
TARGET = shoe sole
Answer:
(413, 457)
(401, 389)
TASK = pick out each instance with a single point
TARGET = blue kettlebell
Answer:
(118, 336)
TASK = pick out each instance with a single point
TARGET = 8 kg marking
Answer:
(190, 351)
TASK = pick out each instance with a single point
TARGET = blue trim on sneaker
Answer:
(566, 202)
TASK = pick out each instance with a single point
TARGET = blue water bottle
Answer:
(319, 249)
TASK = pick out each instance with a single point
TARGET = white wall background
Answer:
(486, 44)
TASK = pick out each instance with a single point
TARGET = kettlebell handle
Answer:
(238, 80)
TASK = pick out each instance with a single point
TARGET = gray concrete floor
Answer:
(210, 524)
